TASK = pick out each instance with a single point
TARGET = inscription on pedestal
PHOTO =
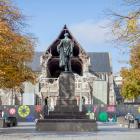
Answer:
(66, 85)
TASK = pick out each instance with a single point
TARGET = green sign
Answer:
(103, 116)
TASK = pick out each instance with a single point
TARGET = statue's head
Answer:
(66, 35)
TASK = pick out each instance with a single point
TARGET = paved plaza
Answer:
(106, 131)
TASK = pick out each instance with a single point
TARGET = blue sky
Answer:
(86, 19)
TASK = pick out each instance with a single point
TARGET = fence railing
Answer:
(31, 112)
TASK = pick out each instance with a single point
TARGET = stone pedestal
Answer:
(66, 103)
(64, 125)
(66, 85)
(66, 115)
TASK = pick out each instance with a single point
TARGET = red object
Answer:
(38, 108)
(12, 111)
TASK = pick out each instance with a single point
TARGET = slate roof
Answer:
(100, 62)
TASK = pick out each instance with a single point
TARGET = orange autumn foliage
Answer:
(131, 76)
(16, 48)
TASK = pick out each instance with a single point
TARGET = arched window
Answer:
(46, 101)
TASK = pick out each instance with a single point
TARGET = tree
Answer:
(16, 47)
(126, 27)
(135, 57)
(131, 76)
(126, 30)
(131, 83)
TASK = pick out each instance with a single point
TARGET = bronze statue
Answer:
(65, 50)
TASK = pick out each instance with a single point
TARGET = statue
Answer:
(65, 50)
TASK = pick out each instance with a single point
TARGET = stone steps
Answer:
(65, 116)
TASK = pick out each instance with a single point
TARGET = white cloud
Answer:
(89, 32)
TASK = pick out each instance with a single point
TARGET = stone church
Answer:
(92, 70)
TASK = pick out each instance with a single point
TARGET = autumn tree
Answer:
(126, 27)
(126, 30)
(131, 76)
(16, 47)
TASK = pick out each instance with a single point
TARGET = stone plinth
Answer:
(66, 85)
(76, 125)
(66, 101)
(66, 115)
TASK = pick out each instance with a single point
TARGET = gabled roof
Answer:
(100, 62)
(77, 46)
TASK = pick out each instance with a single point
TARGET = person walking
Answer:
(130, 118)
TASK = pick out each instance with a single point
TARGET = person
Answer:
(130, 118)
(65, 50)
(110, 118)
